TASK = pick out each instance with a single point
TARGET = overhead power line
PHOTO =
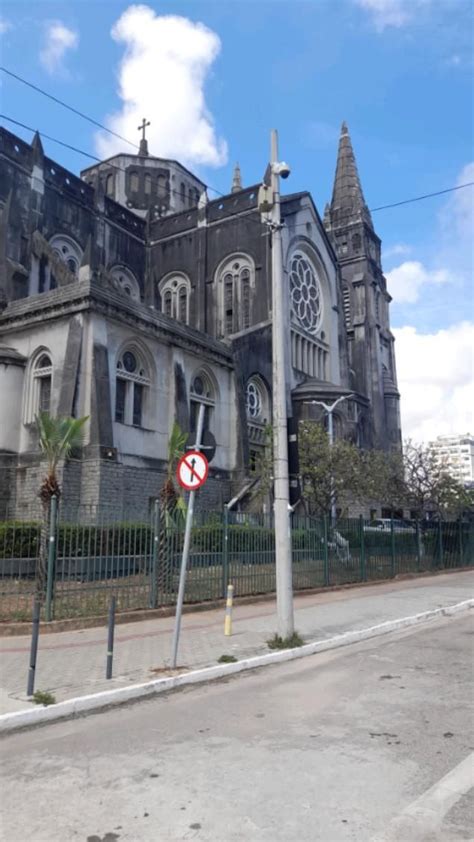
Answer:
(218, 192)
(120, 137)
(65, 105)
(424, 196)
(76, 149)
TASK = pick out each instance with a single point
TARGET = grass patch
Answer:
(43, 697)
(227, 659)
(291, 642)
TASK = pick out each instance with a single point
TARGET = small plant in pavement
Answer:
(43, 697)
(227, 659)
(291, 642)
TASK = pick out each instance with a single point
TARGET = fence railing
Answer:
(90, 555)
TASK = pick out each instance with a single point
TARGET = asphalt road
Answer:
(370, 743)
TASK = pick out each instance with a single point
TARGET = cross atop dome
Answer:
(143, 141)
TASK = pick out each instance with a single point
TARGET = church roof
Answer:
(348, 202)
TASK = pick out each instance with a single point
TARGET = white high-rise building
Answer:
(457, 454)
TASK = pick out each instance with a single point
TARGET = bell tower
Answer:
(348, 221)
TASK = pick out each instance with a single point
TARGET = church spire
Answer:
(236, 180)
(347, 203)
(37, 147)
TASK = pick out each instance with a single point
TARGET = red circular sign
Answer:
(192, 470)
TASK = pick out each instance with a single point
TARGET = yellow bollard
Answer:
(228, 611)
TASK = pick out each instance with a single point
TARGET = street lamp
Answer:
(329, 408)
(269, 203)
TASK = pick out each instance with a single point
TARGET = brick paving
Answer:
(73, 663)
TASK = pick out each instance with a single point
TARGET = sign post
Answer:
(192, 472)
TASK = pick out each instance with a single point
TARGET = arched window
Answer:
(182, 191)
(175, 291)
(183, 304)
(147, 183)
(254, 399)
(191, 197)
(43, 373)
(161, 186)
(257, 404)
(109, 184)
(126, 282)
(202, 392)
(68, 251)
(236, 280)
(305, 291)
(356, 242)
(38, 386)
(168, 303)
(134, 182)
(245, 296)
(228, 303)
(131, 388)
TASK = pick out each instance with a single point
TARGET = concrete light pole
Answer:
(283, 558)
(329, 409)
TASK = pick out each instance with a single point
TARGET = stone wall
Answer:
(96, 487)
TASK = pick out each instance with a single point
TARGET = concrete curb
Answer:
(10, 722)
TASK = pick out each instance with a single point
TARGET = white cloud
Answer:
(5, 25)
(58, 39)
(394, 13)
(435, 378)
(162, 76)
(396, 250)
(406, 281)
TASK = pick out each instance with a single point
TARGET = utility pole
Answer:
(283, 556)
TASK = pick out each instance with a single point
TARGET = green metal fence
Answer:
(94, 553)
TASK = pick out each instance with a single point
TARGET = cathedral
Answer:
(127, 296)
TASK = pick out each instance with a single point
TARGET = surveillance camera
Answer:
(281, 169)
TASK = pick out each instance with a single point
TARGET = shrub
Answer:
(43, 697)
(291, 642)
(19, 539)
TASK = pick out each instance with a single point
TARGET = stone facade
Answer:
(128, 297)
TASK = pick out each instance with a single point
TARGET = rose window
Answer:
(305, 291)
(253, 400)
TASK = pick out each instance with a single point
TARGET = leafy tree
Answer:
(57, 438)
(326, 470)
(429, 486)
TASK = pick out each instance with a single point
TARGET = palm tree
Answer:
(172, 507)
(57, 438)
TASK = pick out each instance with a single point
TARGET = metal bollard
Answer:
(110, 638)
(228, 611)
(34, 648)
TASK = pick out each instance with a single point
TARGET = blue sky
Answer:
(398, 71)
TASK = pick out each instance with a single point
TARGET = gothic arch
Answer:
(175, 294)
(134, 376)
(37, 393)
(68, 251)
(234, 281)
(302, 245)
(126, 281)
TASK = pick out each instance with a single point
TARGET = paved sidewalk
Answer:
(72, 664)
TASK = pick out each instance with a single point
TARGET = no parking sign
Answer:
(192, 470)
